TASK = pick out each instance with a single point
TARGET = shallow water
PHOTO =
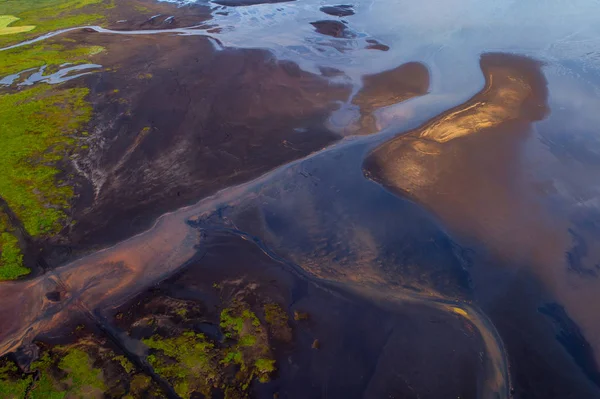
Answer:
(64, 74)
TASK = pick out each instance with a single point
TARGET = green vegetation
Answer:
(6, 20)
(11, 258)
(181, 313)
(83, 378)
(250, 350)
(38, 128)
(85, 369)
(13, 385)
(193, 364)
(125, 363)
(264, 367)
(141, 386)
(188, 362)
(239, 325)
(36, 55)
(278, 319)
(48, 15)
(77, 377)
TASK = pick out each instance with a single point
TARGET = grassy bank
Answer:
(48, 15)
(39, 126)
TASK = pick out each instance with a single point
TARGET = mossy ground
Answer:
(50, 15)
(82, 370)
(36, 55)
(278, 321)
(39, 126)
(6, 29)
(193, 363)
(194, 369)
(13, 384)
(11, 257)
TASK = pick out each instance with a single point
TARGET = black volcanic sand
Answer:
(464, 168)
(143, 14)
(336, 29)
(172, 130)
(243, 3)
(362, 349)
(342, 10)
(376, 45)
(194, 120)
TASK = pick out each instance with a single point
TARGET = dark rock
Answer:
(342, 10)
(333, 28)
(375, 45)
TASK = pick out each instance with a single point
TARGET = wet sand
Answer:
(388, 88)
(466, 167)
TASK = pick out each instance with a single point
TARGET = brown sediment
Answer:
(388, 88)
(468, 148)
(467, 167)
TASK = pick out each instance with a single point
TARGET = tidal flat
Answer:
(299, 199)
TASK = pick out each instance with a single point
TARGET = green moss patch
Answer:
(278, 321)
(249, 343)
(11, 257)
(193, 363)
(87, 369)
(48, 15)
(36, 55)
(72, 373)
(189, 362)
(13, 383)
(39, 127)
(6, 20)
